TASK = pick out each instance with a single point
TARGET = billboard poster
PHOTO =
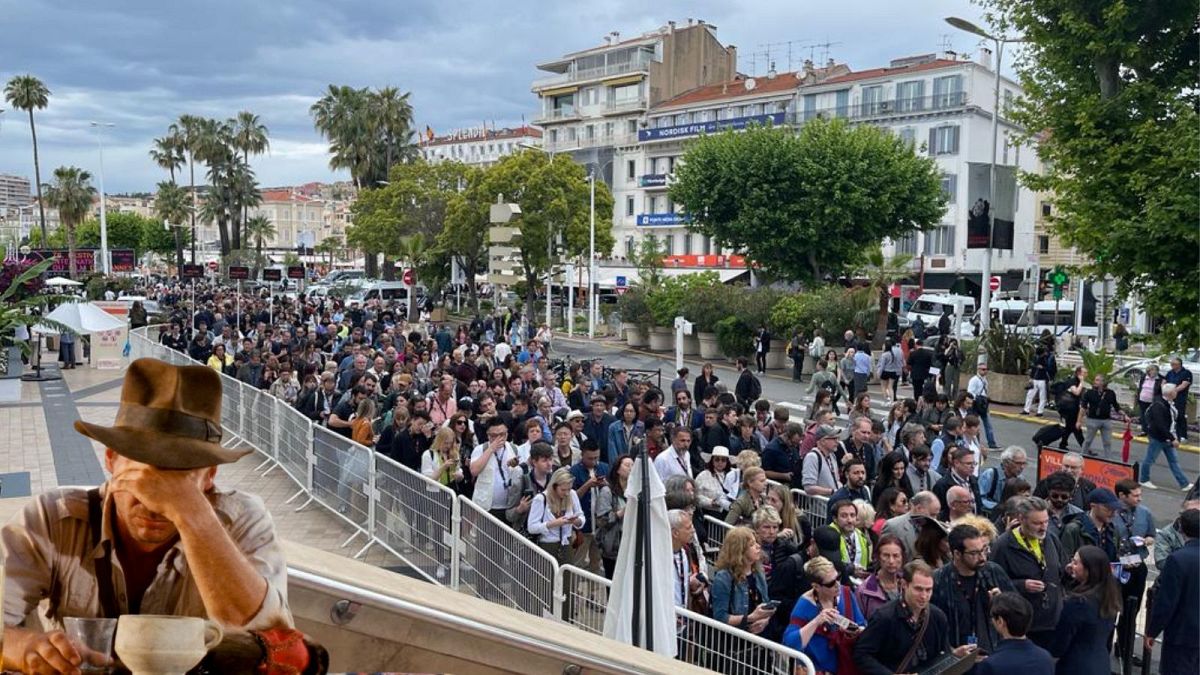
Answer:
(272, 274)
(1102, 472)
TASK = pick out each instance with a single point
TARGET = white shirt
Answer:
(670, 463)
(539, 515)
(503, 351)
(491, 486)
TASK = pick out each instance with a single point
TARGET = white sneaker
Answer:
(1188, 487)
(1149, 485)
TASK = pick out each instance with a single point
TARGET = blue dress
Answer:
(819, 648)
(1081, 638)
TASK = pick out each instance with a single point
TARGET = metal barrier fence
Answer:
(497, 564)
(715, 530)
(581, 598)
(416, 520)
(447, 539)
(815, 507)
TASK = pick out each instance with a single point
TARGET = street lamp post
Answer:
(592, 258)
(985, 293)
(105, 264)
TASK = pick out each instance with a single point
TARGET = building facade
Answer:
(593, 101)
(479, 146)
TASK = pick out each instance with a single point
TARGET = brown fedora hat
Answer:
(170, 417)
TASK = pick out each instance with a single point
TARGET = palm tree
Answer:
(214, 147)
(260, 229)
(393, 117)
(171, 204)
(881, 273)
(329, 245)
(168, 153)
(249, 137)
(72, 195)
(188, 129)
(26, 92)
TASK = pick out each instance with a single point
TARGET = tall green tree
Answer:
(329, 246)
(260, 229)
(553, 194)
(173, 206)
(188, 128)
(806, 205)
(28, 93)
(72, 195)
(880, 273)
(465, 235)
(124, 231)
(250, 137)
(1111, 94)
(169, 153)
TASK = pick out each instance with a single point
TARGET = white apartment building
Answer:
(592, 102)
(298, 219)
(479, 146)
(944, 107)
(641, 206)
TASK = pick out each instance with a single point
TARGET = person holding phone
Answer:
(825, 615)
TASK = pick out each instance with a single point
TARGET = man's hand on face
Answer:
(169, 492)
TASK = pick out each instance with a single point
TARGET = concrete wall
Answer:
(692, 57)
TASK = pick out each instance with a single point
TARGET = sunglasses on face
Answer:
(832, 583)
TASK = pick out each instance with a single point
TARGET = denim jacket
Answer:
(733, 599)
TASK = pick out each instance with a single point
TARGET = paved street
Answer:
(778, 387)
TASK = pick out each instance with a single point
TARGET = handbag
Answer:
(843, 640)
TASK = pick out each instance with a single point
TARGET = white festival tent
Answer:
(83, 318)
(658, 594)
(62, 281)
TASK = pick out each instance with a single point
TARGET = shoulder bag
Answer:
(843, 640)
(917, 640)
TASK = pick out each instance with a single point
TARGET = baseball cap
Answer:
(573, 415)
(1104, 497)
(826, 431)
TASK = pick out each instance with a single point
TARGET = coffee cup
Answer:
(152, 644)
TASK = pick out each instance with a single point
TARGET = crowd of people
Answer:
(840, 541)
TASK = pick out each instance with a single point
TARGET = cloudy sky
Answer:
(139, 65)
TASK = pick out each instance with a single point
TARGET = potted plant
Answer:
(1009, 355)
(666, 303)
(704, 307)
(635, 316)
(21, 297)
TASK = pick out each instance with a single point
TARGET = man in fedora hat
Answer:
(156, 538)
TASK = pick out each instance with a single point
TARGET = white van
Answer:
(930, 307)
(380, 290)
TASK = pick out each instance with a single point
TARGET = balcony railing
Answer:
(893, 107)
(625, 106)
(639, 64)
(578, 143)
(557, 115)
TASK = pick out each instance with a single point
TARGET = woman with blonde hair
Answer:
(441, 462)
(361, 430)
(739, 588)
(791, 525)
(555, 516)
(815, 626)
(742, 461)
(753, 496)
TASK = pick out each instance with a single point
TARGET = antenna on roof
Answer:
(945, 44)
(825, 49)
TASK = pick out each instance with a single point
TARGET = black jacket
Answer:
(1159, 423)
(920, 360)
(943, 486)
(1020, 565)
(959, 612)
(785, 584)
(748, 388)
(890, 634)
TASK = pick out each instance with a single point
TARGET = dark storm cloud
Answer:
(142, 64)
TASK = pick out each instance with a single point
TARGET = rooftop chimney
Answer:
(670, 26)
(985, 57)
(616, 37)
(808, 66)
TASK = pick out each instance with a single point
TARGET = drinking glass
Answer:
(94, 640)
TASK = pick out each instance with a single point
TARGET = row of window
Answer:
(590, 132)
(685, 243)
(466, 151)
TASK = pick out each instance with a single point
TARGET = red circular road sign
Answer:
(621, 290)
(408, 277)
(994, 283)
(212, 265)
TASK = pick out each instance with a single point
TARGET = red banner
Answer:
(735, 261)
(1102, 472)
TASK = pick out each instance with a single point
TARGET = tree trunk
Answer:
(223, 232)
(178, 249)
(389, 269)
(370, 264)
(881, 321)
(37, 179)
(192, 173)
(472, 290)
(70, 227)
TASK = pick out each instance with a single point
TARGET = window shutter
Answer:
(933, 149)
(954, 140)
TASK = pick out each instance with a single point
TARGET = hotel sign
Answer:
(663, 219)
(683, 130)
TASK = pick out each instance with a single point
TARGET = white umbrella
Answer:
(83, 318)
(659, 595)
(62, 281)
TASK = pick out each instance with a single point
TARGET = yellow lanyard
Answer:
(1032, 545)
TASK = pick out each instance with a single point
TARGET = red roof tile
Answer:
(889, 71)
(735, 88)
(283, 196)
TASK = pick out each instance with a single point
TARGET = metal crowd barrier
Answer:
(581, 598)
(716, 530)
(498, 564)
(448, 539)
(815, 507)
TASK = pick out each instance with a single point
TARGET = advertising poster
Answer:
(1102, 472)
(108, 346)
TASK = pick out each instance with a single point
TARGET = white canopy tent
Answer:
(83, 318)
(62, 281)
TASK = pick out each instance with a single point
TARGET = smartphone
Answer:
(528, 494)
(770, 606)
(702, 578)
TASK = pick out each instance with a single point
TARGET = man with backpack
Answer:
(992, 481)
(748, 388)
(797, 347)
(535, 477)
